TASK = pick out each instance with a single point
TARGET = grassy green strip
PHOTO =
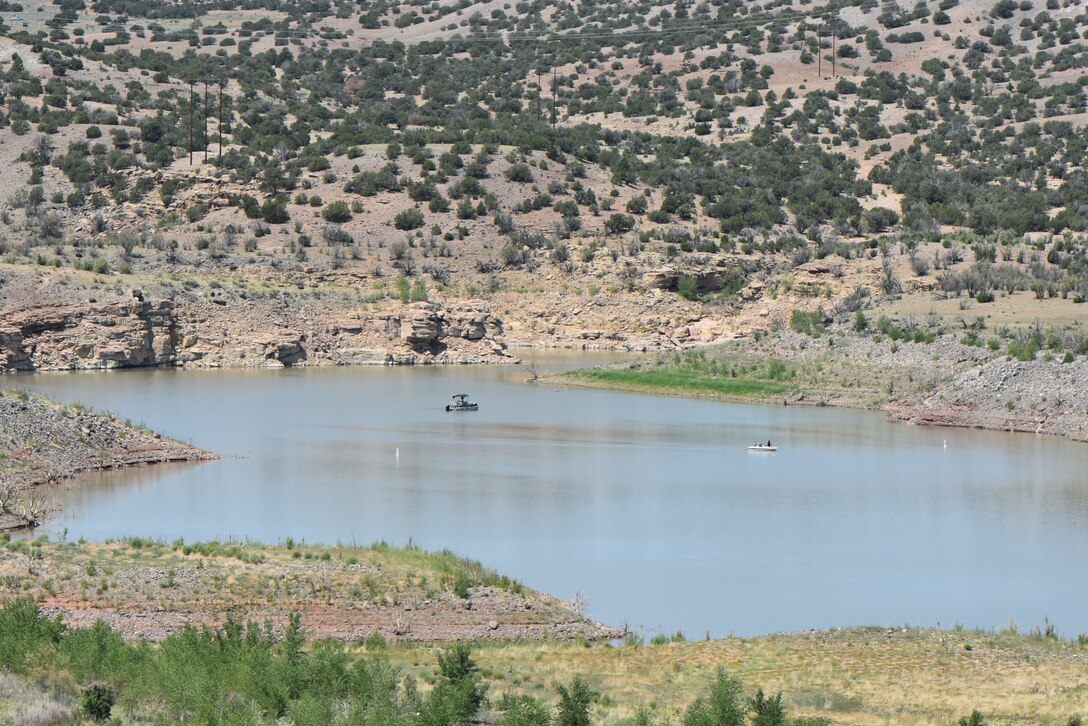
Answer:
(676, 379)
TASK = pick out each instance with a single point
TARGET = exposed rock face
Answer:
(426, 325)
(112, 335)
(706, 279)
(231, 331)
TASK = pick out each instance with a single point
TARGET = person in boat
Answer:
(768, 443)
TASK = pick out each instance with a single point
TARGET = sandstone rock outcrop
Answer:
(707, 278)
(230, 331)
(111, 335)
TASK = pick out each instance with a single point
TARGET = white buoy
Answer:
(946, 443)
(398, 453)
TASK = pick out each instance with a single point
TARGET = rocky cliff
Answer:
(225, 331)
(112, 335)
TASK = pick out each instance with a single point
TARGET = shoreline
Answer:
(988, 394)
(149, 589)
(44, 442)
(406, 604)
(893, 414)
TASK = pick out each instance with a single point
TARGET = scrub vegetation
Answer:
(247, 674)
(479, 149)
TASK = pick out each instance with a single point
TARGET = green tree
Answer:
(458, 694)
(575, 701)
(767, 711)
(723, 706)
(523, 711)
(250, 206)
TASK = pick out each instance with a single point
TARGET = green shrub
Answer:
(336, 212)
(375, 641)
(460, 587)
(409, 219)
(274, 211)
(97, 702)
(687, 287)
(808, 322)
(1023, 351)
(637, 205)
(619, 223)
(519, 173)
(196, 212)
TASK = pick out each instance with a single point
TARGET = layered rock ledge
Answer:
(229, 331)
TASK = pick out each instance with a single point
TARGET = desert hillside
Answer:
(445, 179)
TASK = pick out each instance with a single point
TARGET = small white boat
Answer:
(762, 447)
(461, 403)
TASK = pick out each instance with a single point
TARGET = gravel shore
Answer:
(42, 442)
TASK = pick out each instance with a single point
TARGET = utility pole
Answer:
(834, 34)
(204, 141)
(191, 102)
(555, 87)
(539, 90)
(220, 118)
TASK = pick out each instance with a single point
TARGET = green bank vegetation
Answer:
(697, 373)
(246, 674)
(266, 663)
(380, 573)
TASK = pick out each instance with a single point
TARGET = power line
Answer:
(599, 34)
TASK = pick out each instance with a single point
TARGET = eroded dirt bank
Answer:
(42, 441)
(149, 589)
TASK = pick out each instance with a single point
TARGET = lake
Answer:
(650, 506)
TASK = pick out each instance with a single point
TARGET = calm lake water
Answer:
(652, 507)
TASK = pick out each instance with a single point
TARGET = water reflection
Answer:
(651, 506)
